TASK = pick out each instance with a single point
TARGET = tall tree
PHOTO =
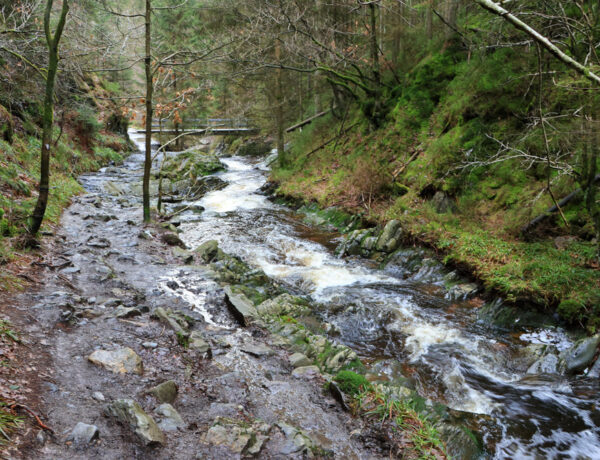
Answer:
(149, 94)
(52, 40)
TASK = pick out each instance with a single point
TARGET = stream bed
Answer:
(405, 326)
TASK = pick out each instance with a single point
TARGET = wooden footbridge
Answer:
(202, 127)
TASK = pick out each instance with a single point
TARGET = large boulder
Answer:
(595, 370)
(443, 204)
(83, 434)
(254, 147)
(121, 361)
(165, 392)
(547, 364)
(131, 413)
(208, 251)
(191, 164)
(198, 343)
(170, 420)
(353, 244)
(175, 320)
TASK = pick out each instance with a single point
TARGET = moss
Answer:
(183, 339)
(572, 310)
(352, 383)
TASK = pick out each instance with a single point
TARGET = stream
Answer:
(403, 327)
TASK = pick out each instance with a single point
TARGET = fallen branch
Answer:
(401, 169)
(307, 121)
(34, 415)
(545, 42)
(68, 283)
(535, 222)
(325, 144)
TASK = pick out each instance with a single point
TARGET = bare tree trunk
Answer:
(179, 142)
(374, 45)
(149, 95)
(279, 108)
(48, 120)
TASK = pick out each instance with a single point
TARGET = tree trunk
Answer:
(48, 120)
(149, 94)
(374, 45)
(452, 18)
(279, 108)
(429, 19)
(591, 191)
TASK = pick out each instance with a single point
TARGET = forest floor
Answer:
(92, 288)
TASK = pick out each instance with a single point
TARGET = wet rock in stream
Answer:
(580, 355)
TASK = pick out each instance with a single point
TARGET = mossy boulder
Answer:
(191, 165)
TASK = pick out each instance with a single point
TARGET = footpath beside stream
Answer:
(157, 351)
(135, 370)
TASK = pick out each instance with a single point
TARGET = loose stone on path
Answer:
(131, 413)
(121, 361)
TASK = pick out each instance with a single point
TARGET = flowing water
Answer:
(407, 327)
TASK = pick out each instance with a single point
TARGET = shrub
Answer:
(86, 123)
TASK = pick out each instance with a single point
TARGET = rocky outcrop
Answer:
(6, 125)
(175, 320)
(390, 238)
(285, 304)
(208, 251)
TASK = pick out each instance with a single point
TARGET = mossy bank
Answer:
(431, 167)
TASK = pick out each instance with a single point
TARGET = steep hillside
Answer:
(464, 163)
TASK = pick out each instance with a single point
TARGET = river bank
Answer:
(472, 221)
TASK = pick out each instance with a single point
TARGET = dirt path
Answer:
(99, 286)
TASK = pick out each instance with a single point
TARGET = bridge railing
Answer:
(201, 123)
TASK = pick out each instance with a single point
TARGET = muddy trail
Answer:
(228, 391)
